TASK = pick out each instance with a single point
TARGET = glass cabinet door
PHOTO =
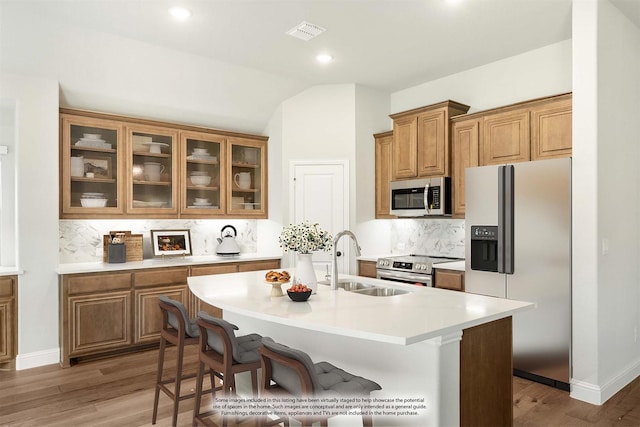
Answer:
(91, 172)
(152, 167)
(202, 174)
(247, 178)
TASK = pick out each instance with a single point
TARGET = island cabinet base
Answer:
(108, 313)
(486, 373)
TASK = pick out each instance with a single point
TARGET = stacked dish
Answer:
(201, 154)
(202, 203)
(200, 178)
(93, 200)
(93, 140)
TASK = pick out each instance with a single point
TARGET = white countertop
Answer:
(94, 267)
(423, 314)
(10, 271)
(454, 265)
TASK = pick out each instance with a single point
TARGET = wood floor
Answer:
(118, 391)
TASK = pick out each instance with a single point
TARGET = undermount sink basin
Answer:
(365, 289)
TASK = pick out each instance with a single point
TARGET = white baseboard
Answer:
(37, 358)
(597, 395)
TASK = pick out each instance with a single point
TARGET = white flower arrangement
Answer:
(305, 238)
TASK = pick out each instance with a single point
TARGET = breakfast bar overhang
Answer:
(448, 349)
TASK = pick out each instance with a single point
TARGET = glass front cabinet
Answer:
(92, 160)
(114, 168)
(247, 176)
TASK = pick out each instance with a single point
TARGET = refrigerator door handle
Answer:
(501, 178)
(509, 218)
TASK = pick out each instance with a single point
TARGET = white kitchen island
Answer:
(411, 344)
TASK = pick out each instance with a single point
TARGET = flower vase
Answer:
(305, 273)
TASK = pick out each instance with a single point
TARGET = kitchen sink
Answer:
(365, 288)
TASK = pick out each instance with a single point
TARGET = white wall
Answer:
(533, 74)
(8, 247)
(37, 216)
(606, 126)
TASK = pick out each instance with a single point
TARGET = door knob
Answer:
(338, 253)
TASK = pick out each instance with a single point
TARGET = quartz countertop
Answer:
(419, 315)
(10, 271)
(454, 265)
(94, 267)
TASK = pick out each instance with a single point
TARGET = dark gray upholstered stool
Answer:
(224, 355)
(290, 372)
(180, 331)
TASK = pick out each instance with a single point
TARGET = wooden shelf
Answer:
(245, 165)
(205, 188)
(161, 183)
(148, 154)
(93, 180)
(94, 149)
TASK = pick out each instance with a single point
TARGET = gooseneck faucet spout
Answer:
(334, 261)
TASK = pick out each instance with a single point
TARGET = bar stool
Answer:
(291, 373)
(180, 331)
(224, 355)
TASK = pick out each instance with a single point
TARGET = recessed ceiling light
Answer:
(180, 13)
(324, 58)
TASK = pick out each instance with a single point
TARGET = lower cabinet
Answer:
(114, 312)
(8, 322)
(449, 279)
(367, 268)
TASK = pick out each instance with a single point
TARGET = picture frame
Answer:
(171, 242)
(100, 166)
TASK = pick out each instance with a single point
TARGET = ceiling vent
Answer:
(306, 31)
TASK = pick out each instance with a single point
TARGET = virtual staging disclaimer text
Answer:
(328, 406)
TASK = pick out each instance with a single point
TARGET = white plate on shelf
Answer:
(143, 204)
(210, 206)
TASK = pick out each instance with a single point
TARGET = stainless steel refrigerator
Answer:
(518, 246)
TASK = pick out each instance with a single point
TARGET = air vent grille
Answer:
(306, 31)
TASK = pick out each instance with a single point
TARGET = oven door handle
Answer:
(418, 278)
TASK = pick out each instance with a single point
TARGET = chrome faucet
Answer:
(334, 262)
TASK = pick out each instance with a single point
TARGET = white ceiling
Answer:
(385, 44)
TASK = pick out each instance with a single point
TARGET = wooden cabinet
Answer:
(465, 148)
(151, 171)
(449, 279)
(117, 167)
(421, 140)
(8, 322)
(383, 160)
(203, 176)
(92, 164)
(551, 129)
(531, 130)
(505, 138)
(367, 268)
(247, 178)
(95, 314)
(112, 312)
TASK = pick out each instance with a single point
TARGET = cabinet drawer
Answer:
(447, 279)
(161, 276)
(367, 268)
(205, 270)
(90, 283)
(259, 265)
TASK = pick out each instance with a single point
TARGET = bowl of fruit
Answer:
(299, 292)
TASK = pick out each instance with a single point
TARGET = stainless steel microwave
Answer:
(421, 197)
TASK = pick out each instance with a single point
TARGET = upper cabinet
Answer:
(92, 164)
(113, 167)
(421, 145)
(384, 157)
(531, 130)
(247, 178)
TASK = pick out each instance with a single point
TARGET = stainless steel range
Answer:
(413, 269)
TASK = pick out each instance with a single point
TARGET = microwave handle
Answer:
(427, 202)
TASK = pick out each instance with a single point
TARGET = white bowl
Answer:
(200, 151)
(92, 136)
(200, 180)
(93, 203)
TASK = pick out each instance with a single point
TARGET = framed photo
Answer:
(171, 242)
(99, 165)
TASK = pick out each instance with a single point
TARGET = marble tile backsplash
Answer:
(441, 237)
(81, 240)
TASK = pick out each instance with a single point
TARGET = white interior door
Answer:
(320, 194)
